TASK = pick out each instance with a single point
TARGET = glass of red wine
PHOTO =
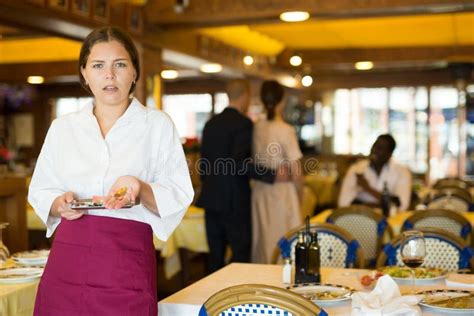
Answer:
(413, 251)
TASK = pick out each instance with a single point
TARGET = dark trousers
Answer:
(227, 228)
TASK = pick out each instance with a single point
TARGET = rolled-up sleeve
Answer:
(171, 185)
(45, 187)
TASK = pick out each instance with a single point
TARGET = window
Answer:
(189, 112)
(63, 106)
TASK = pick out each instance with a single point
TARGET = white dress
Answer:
(275, 207)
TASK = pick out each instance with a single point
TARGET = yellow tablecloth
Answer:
(324, 187)
(18, 299)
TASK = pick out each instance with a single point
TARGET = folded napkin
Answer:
(460, 281)
(385, 299)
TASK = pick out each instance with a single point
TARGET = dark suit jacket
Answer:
(225, 164)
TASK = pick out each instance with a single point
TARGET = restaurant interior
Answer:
(351, 70)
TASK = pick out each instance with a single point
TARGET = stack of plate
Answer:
(20, 275)
(31, 258)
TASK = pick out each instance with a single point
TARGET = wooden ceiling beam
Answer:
(49, 70)
(319, 58)
(209, 13)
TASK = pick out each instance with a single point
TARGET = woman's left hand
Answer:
(125, 190)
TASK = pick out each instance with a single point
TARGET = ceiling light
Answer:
(294, 16)
(364, 65)
(307, 80)
(35, 79)
(211, 68)
(248, 60)
(296, 60)
(169, 74)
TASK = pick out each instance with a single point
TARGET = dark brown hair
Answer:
(271, 94)
(107, 34)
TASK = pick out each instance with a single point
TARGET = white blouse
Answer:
(143, 143)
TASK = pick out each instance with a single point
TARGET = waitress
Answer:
(102, 262)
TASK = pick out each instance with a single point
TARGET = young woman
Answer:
(102, 261)
(275, 208)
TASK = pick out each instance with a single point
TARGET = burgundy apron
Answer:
(99, 266)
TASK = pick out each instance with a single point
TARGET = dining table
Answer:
(189, 300)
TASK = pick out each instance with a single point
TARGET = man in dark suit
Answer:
(225, 168)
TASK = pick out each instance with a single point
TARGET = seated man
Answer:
(364, 181)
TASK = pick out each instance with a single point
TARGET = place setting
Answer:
(31, 258)
(323, 294)
(387, 298)
(20, 274)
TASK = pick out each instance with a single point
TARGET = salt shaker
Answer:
(286, 274)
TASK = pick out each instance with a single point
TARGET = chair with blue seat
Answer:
(448, 220)
(366, 225)
(258, 299)
(443, 250)
(338, 248)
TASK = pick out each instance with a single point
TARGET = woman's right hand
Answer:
(60, 207)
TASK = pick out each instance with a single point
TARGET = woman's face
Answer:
(109, 72)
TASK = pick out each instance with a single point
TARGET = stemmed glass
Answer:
(413, 251)
(4, 252)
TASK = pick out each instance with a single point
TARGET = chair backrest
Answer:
(453, 222)
(455, 199)
(338, 248)
(365, 224)
(443, 250)
(258, 299)
(450, 183)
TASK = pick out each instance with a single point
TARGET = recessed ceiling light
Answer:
(248, 60)
(364, 65)
(211, 68)
(307, 80)
(169, 74)
(294, 16)
(35, 79)
(296, 60)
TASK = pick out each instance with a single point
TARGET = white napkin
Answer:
(385, 299)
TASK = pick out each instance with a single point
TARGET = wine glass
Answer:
(413, 251)
(4, 252)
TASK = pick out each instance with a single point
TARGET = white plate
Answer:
(418, 280)
(311, 291)
(34, 257)
(20, 275)
(435, 295)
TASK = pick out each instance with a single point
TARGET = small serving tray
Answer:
(88, 204)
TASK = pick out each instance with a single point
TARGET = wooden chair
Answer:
(337, 246)
(455, 199)
(450, 183)
(366, 225)
(443, 250)
(258, 299)
(450, 221)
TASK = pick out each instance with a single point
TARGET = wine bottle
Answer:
(301, 254)
(385, 200)
(314, 261)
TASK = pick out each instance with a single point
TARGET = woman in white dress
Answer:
(275, 207)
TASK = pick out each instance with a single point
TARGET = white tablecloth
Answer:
(189, 300)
